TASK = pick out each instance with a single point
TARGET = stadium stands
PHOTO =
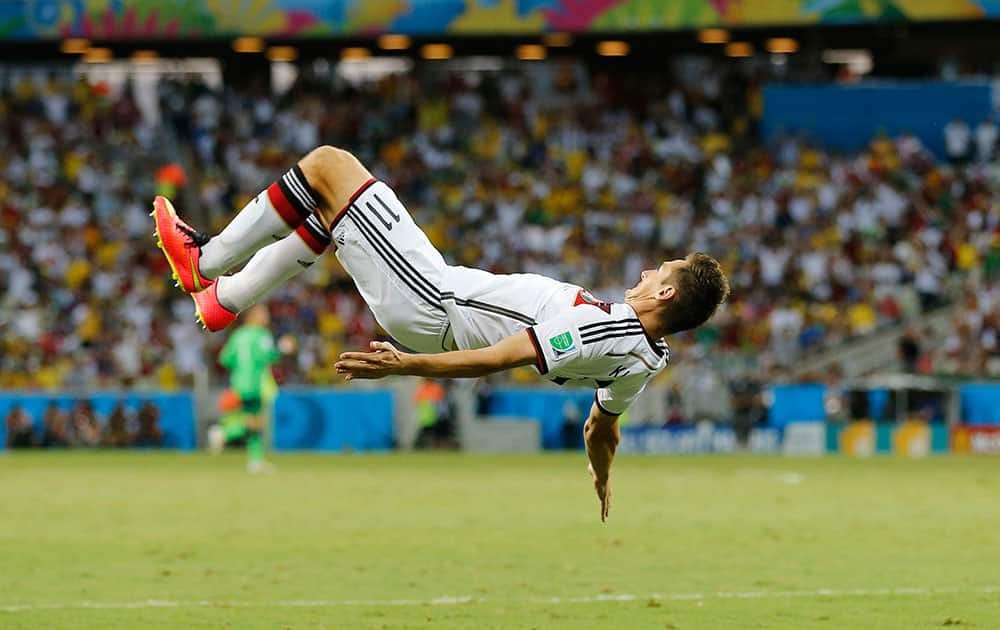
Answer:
(578, 175)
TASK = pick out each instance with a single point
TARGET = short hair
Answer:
(701, 287)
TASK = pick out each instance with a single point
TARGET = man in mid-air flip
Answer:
(461, 322)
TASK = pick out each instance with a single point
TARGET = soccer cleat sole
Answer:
(159, 244)
(198, 317)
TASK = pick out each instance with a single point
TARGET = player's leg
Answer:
(197, 258)
(330, 177)
(271, 267)
(255, 440)
(395, 267)
(231, 427)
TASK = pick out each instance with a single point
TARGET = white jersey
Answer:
(429, 306)
(578, 340)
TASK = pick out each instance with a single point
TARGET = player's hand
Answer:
(383, 360)
(603, 488)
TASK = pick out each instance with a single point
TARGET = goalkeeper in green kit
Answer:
(248, 355)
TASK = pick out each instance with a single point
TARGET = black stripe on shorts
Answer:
(405, 264)
(407, 279)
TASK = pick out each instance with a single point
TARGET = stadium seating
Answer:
(588, 179)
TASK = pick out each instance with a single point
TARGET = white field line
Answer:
(452, 601)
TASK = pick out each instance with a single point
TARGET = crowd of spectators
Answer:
(584, 176)
(84, 298)
(80, 426)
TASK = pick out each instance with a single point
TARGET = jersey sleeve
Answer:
(557, 340)
(616, 398)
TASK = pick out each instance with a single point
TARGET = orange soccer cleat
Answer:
(181, 244)
(212, 315)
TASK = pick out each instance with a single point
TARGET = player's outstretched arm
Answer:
(384, 359)
(601, 436)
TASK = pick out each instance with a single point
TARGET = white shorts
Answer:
(395, 267)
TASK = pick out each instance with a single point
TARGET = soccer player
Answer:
(248, 355)
(460, 322)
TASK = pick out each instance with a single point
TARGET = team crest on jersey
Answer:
(562, 344)
(585, 297)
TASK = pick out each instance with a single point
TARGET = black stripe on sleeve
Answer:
(595, 332)
(613, 335)
(543, 367)
(609, 323)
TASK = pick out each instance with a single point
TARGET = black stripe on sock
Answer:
(314, 225)
(405, 264)
(294, 199)
(301, 178)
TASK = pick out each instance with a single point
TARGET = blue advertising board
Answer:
(176, 410)
(333, 420)
(980, 403)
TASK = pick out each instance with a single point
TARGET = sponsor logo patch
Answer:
(562, 344)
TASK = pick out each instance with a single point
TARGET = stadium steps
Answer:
(876, 352)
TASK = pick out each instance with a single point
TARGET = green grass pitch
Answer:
(130, 540)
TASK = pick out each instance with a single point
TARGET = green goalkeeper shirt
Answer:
(248, 353)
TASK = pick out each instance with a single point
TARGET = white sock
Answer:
(272, 267)
(270, 216)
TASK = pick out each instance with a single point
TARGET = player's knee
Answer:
(335, 173)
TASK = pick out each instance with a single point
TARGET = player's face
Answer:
(653, 281)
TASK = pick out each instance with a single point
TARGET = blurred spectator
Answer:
(116, 432)
(20, 432)
(957, 141)
(836, 400)
(148, 434)
(433, 415)
(748, 407)
(675, 406)
(986, 139)
(572, 426)
(909, 350)
(56, 427)
(84, 428)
